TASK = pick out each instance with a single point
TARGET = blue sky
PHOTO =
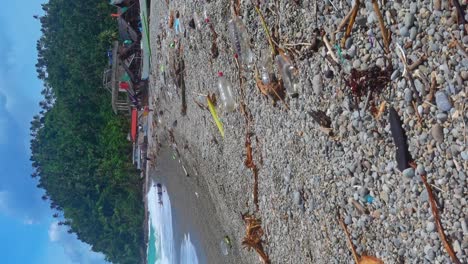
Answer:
(28, 232)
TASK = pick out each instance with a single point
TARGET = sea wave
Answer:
(162, 233)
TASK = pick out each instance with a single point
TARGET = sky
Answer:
(28, 232)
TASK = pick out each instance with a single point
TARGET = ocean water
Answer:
(161, 243)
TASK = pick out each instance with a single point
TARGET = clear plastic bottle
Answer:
(289, 75)
(226, 95)
(266, 67)
(206, 17)
(240, 41)
(197, 20)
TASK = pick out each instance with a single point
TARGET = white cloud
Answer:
(4, 202)
(54, 232)
(30, 221)
(77, 251)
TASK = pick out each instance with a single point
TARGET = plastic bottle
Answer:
(289, 75)
(197, 20)
(205, 15)
(239, 39)
(266, 67)
(228, 102)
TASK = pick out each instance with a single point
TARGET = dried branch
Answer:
(352, 18)
(385, 33)
(435, 213)
(267, 31)
(416, 64)
(249, 163)
(359, 260)
(348, 238)
(430, 96)
(329, 47)
(344, 21)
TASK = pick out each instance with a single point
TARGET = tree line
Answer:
(80, 154)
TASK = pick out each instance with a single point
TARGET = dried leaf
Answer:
(321, 117)
(171, 19)
(381, 110)
(211, 106)
(402, 154)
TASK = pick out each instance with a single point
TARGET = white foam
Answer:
(160, 218)
(188, 254)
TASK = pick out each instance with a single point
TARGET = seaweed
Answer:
(253, 236)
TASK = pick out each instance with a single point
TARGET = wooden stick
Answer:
(351, 22)
(435, 213)
(267, 32)
(344, 21)
(329, 47)
(348, 238)
(416, 64)
(385, 32)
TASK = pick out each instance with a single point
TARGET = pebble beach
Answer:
(312, 175)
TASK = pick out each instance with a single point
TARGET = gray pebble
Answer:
(442, 117)
(465, 40)
(352, 51)
(409, 20)
(413, 33)
(464, 226)
(413, 8)
(349, 43)
(317, 84)
(408, 95)
(348, 220)
(380, 62)
(363, 191)
(424, 197)
(408, 173)
(420, 170)
(464, 155)
(297, 198)
(430, 226)
(404, 31)
(442, 101)
(430, 255)
(437, 133)
(357, 64)
(431, 31)
(395, 75)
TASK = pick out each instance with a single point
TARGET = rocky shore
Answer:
(310, 176)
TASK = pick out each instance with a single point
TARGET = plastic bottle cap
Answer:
(220, 74)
